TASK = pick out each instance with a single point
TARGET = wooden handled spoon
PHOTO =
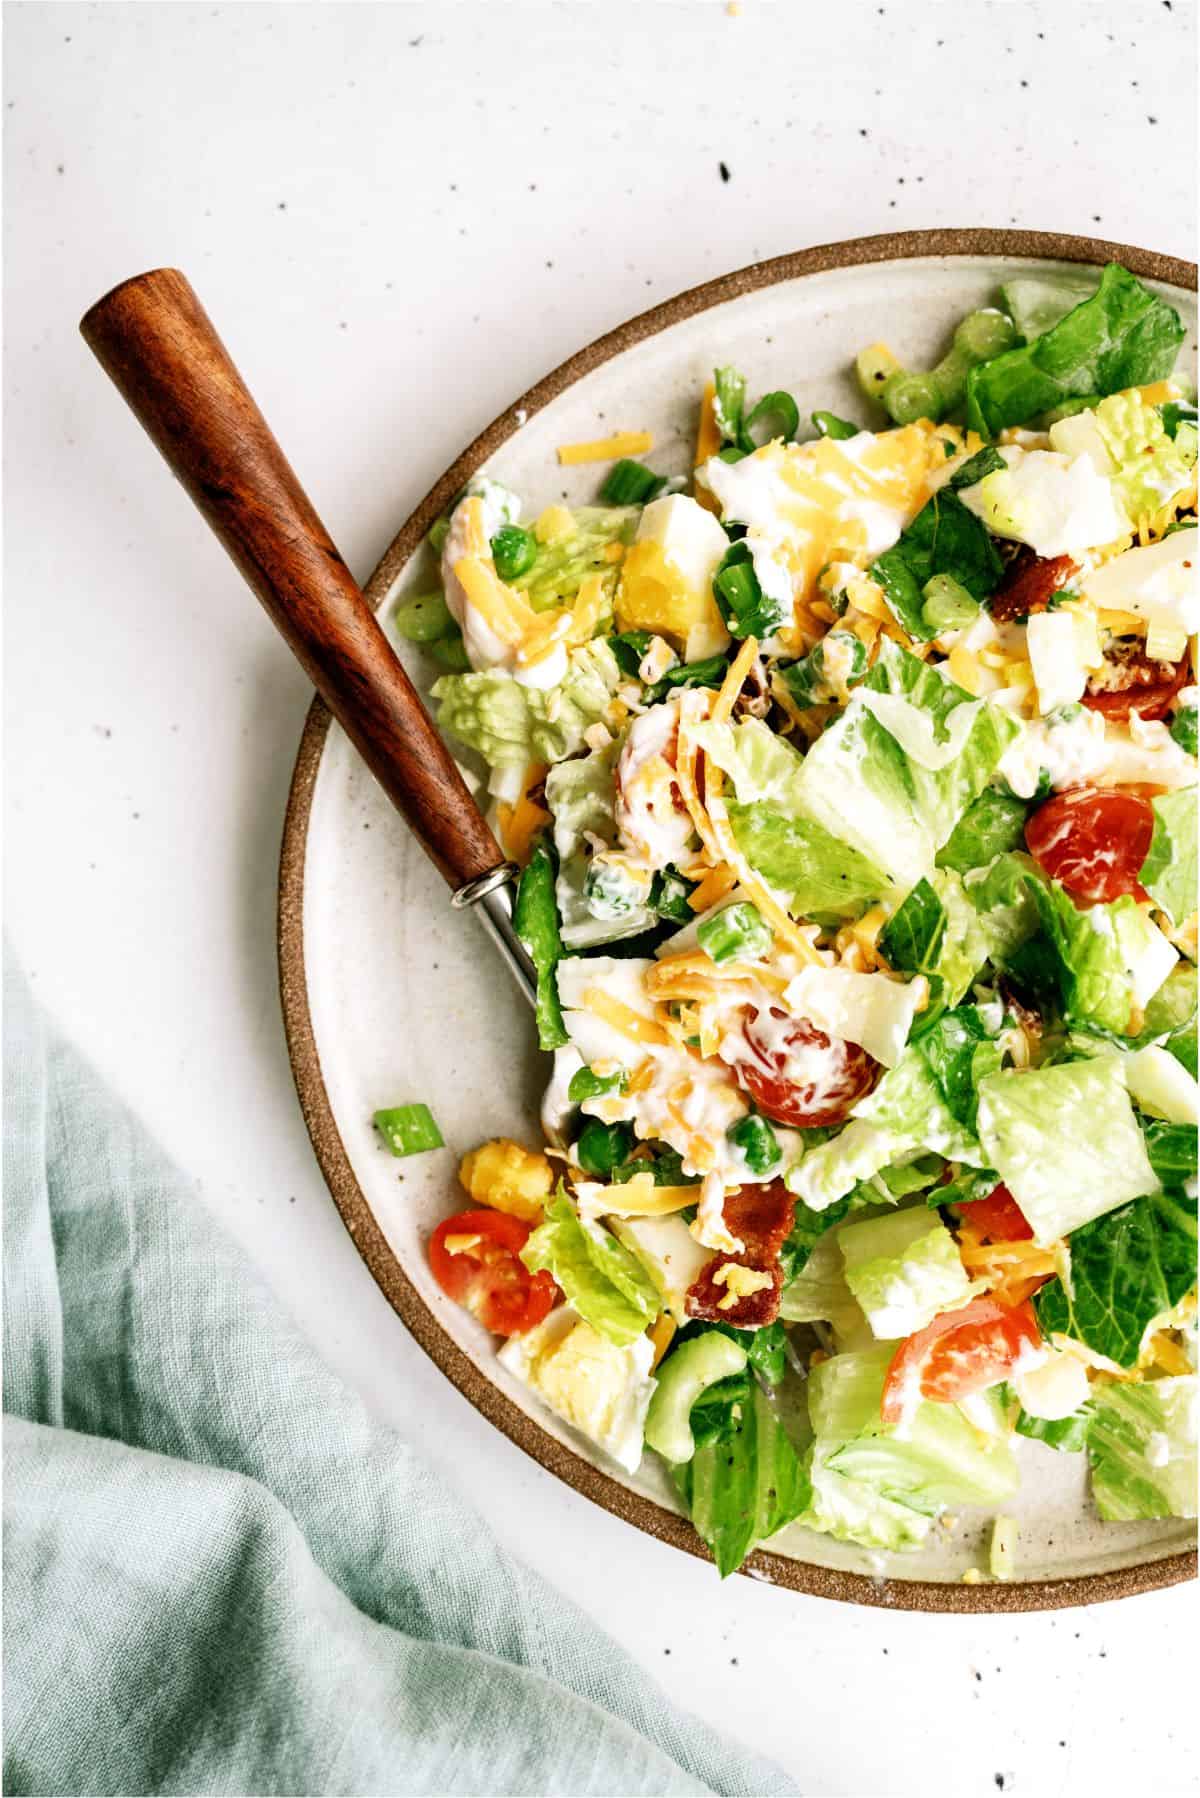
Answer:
(155, 340)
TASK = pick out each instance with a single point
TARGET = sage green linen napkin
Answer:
(221, 1574)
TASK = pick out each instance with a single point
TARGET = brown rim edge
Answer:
(368, 1238)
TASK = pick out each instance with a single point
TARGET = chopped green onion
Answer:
(746, 609)
(708, 673)
(451, 652)
(828, 424)
(909, 395)
(602, 1147)
(586, 1084)
(514, 551)
(424, 618)
(984, 334)
(874, 367)
(757, 1141)
(629, 647)
(1183, 729)
(669, 895)
(731, 453)
(439, 530)
(1067, 1434)
(1174, 415)
(777, 410)
(729, 399)
(737, 930)
(631, 483)
(409, 1129)
(947, 604)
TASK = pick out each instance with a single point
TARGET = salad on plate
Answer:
(853, 781)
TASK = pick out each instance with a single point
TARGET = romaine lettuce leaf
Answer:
(819, 873)
(1065, 1142)
(1172, 1149)
(903, 1268)
(1142, 1447)
(511, 725)
(943, 538)
(852, 1510)
(743, 1488)
(1127, 1268)
(819, 1293)
(1169, 870)
(991, 825)
(961, 1053)
(910, 1106)
(874, 791)
(1147, 467)
(1124, 336)
(941, 1460)
(937, 932)
(600, 1277)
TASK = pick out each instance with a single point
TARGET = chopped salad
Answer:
(853, 783)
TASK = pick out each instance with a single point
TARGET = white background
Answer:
(400, 216)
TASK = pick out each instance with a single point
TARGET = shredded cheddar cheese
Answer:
(622, 1017)
(714, 886)
(606, 449)
(734, 680)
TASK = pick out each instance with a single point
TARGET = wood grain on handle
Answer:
(158, 344)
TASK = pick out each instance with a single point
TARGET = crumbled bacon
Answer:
(1131, 681)
(761, 1217)
(1030, 583)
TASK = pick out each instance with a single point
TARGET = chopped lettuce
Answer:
(961, 1052)
(943, 539)
(942, 1459)
(1129, 443)
(1128, 1268)
(819, 874)
(1142, 1447)
(743, 1488)
(511, 725)
(903, 1268)
(608, 1286)
(1169, 870)
(1172, 1149)
(906, 1113)
(580, 796)
(889, 791)
(1123, 336)
(559, 569)
(1065, 1142)
(1161, 1087)
(819, 1293)
(1035, 303)
(991, 825)
(937, 932)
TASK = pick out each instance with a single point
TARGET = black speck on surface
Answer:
(137, 814)
(291, 1198)
(863, 132)
(724, 168)
(1150, 119)
(733, 1660)
(60, 168)
(666, 1651)
(414, 43)
(979, 1675)
(281, 205)
(999, 1779)
(549, 265)
(342, 325)
(1024, 84)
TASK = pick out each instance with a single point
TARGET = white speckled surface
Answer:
(400, 217)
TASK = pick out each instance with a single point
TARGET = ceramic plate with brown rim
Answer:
(389, 995)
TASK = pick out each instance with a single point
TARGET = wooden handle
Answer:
(158, 344)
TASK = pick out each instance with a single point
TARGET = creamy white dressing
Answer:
(650, 816)
(1085, 749)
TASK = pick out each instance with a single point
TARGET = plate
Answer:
(389, 995)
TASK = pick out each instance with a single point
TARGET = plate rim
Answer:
(368, 1238)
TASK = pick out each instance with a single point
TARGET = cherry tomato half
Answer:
(959, 1353)
(475, 1257)
(998, 1218)
(1094, 840)
(796, 1074)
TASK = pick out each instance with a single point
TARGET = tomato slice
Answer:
(1094, 840)
(959, 1353)
(796, 1074)
(1135, 682)
(475, 1257)
(998, 1218)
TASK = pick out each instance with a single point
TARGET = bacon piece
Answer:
(761, 1217)
(1030, 583)
(1132, 682)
